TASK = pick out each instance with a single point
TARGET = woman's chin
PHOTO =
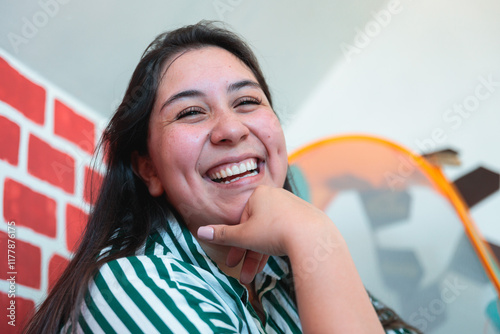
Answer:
(233, 218)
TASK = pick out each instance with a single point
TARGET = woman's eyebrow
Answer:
(196, 93)
(241, 84)
(183, 94)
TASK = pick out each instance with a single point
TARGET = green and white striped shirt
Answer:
(172, 286)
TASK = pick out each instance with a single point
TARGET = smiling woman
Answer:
(196, 228)
(216, 119)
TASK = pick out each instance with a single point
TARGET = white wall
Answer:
(402, 84)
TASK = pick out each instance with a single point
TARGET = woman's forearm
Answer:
(330, 295)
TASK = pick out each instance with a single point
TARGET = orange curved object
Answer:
(370, 162)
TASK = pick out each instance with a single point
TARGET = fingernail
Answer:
(206, 233)
(245, 278)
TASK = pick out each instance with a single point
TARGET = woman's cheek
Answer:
(183, 137)
(268, 127)
(276, 134)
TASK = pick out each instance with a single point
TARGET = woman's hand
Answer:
(330, 295)
(264, 225)
(273, 222)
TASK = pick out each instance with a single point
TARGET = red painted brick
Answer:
(21, 93)
(74, 127)
(9, 137)
(57, 264)
(23, 309)
(51, 165)
(27, 264)
(76, 220)
(28, 208)
(93, 182)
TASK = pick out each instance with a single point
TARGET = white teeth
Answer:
(243, 168)
(242, 177)
(235, 170)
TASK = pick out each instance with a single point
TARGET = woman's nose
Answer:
(229, 129)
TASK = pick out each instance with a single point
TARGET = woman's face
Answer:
(213, 138)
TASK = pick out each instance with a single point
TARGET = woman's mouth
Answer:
(233, 172)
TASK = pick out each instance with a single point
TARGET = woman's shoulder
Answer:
(162, 254)
(150, 269)
(169, 259)
(149, 293)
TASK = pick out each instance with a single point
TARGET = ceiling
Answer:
(90, 48)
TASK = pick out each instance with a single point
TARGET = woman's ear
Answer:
(144, 168)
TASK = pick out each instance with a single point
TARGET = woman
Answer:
(193, 230)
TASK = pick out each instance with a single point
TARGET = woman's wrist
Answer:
(315, 243)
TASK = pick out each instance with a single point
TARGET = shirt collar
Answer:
(179, 243)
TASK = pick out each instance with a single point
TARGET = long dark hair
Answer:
(124, 204)
(125, 213)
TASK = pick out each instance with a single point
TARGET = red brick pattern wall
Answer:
(46, 145)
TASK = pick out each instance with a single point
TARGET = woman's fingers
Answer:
(273, 222)
(271, 219)
(228, 235)
(235, 256)
(251, 266)
(253, 262)
(263, 263)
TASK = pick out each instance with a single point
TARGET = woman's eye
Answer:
(246, 101)
(188, 112)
